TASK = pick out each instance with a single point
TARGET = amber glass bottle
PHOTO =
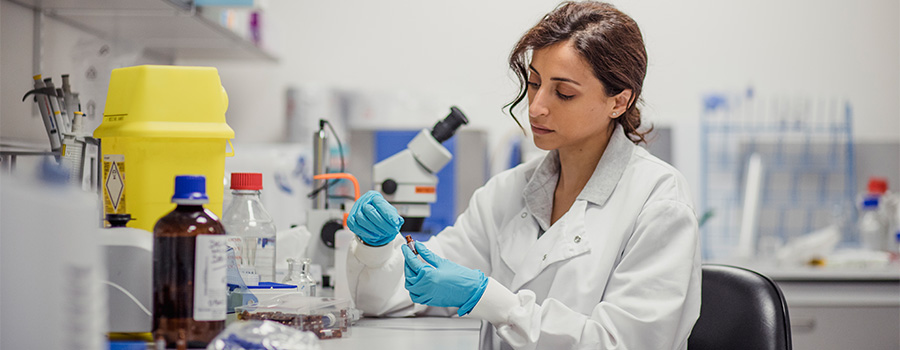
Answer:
(189, 269)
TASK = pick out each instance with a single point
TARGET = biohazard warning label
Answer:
(114, 184)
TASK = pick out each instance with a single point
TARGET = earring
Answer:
(614, 114)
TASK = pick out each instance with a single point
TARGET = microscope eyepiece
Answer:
(445, 129)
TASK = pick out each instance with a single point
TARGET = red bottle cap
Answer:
(878, 185)
(246, 181)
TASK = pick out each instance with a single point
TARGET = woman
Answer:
(594, 246)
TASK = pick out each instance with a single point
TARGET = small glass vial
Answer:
(300, 278)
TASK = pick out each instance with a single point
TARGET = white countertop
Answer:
(810, 286)
(812, 273)
(415, 333)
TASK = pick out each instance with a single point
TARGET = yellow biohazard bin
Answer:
(159, 122)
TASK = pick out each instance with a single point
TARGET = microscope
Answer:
(406, 179)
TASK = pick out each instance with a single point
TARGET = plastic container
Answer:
(158, 122)
(895, 233)
(265, 290)
(189, 269)
(895, 248)
(326, 317)
(872, 227)
(250, 228)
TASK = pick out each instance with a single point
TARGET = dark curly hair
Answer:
(609, 40)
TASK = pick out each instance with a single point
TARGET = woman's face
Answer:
(567, 105)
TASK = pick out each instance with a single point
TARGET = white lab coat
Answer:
(620, 270)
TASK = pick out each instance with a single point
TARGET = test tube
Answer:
(411, 243)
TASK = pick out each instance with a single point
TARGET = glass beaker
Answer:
(300, 277)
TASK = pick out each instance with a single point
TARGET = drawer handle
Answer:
(804, 325)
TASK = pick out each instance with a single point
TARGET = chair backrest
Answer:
(740, 309)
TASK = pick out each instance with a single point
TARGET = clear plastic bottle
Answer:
(250, 228)
(872, 227)
(895, 248)
(189, 291)
(302, 278)
(895, 233)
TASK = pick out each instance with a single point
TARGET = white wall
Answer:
(63, 50)
(455, 53)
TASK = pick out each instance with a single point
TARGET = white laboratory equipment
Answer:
(129, 253)
(407, 179)
(51, 264)
(321, 221)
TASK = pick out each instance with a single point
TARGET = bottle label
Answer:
(114, 184)
(265, 258)
(210, 278)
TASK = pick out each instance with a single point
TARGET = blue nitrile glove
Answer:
(374, 220)
(443, 283)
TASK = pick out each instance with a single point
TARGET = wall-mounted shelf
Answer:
(172, 28)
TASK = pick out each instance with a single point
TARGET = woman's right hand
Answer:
(374, 220)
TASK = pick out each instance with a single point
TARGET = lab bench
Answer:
(439, 333)
(412, 333)
(829, 309)
(843, 308)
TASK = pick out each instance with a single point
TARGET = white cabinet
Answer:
(838, 327)
(841, 309)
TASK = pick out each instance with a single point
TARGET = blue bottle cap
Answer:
(870, 202)
(190, 189)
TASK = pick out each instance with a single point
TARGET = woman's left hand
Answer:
(442, 282)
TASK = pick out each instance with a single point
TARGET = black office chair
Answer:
(741, 309)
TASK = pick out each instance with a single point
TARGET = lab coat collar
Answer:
(609, 169)
(538, 193)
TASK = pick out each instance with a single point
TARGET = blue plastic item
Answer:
(374, 220)
(272, 285)
(443, 283)
(190, 187)
(127, 345)
(870, 203)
